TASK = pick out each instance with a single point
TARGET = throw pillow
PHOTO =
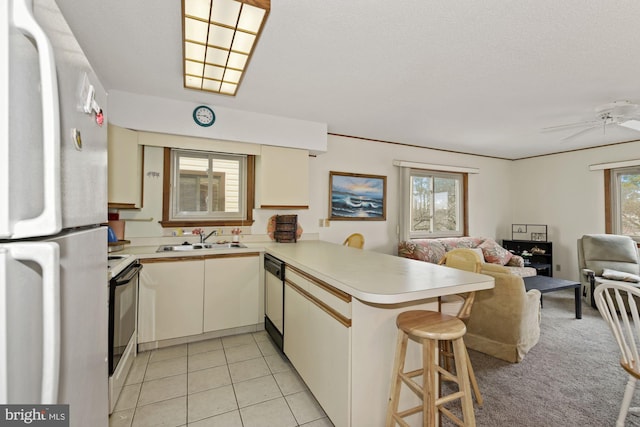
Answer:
(494, 253)
(516, 261)
(479, 252)
(620, 275)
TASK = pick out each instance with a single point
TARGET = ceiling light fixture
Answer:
(218, 39)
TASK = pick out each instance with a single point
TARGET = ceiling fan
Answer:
(617, 113)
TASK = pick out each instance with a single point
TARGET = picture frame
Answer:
(519, 232)
(538, 237)
(518, 228)
(529, 232)
(357, 197)
(538, 232)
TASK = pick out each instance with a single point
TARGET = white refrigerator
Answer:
(53, 200)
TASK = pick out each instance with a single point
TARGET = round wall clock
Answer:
(204, 116)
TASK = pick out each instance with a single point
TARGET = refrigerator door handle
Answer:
(4, 391)
(49, 221)
(47, 255)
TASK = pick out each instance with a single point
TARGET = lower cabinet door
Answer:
(231, 292)
(296, 340)
(319, 347)
(170, 299)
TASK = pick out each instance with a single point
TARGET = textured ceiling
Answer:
(481, 77)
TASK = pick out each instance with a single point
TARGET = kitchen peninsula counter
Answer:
(343, 343)
(373, 277)
(340, 307)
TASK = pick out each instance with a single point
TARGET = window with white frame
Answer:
(625, 201)
(433, 204)
(207, 186)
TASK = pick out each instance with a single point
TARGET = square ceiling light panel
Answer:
(219, 37)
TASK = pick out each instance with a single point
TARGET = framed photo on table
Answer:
(529, 232)
(357, 197)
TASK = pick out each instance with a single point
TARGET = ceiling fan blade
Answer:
(632, 123)
(580, 132)
(570, 125)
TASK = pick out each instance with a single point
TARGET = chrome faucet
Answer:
(203, 238)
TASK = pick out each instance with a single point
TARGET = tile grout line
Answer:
(135, 408)
(186, 412)
(228, 370)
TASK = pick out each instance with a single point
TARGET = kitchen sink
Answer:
(199, 246)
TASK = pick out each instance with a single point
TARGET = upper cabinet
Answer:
(125, 168)
(282, 178)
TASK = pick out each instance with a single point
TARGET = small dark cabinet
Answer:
(542, 262)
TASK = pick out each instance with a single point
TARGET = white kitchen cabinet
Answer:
(317, 340)
(170, 298)
(282, 178)
(125, 158)
(231, 291)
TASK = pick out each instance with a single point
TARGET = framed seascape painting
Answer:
(357, 197)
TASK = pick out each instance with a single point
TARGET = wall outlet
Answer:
(326, 222)
(321, 222)
(557, 267)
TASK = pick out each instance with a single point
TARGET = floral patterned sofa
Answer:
(432, 250)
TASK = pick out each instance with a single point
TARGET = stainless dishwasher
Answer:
(274, 298)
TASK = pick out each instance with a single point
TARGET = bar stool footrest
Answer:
(452, 417)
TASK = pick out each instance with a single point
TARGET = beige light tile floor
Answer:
(237, 381)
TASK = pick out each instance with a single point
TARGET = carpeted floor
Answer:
(572, 377)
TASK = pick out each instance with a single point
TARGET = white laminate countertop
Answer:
(371, 277)
(374, 277)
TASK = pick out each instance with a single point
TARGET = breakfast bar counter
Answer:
(373, 277)
(341, 305)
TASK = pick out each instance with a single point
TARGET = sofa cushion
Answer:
(460, 242)
(620, 275)
(433, 250)
(479, 252)
(418, 249)
(515, 261)
(494, 253)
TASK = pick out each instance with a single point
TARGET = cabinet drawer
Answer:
(326, 296)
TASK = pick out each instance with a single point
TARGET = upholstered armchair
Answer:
(505, 320)
(606, 258)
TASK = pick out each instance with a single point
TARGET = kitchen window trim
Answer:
(166, 200)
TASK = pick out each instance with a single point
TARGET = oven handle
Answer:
(130, 274)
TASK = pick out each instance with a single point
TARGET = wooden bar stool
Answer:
(468, 260)
(428, 328)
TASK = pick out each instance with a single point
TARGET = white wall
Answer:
(489, 208)
(153, 114)
(557, 190)
(560, 191)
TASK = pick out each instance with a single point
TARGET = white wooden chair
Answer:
(625, 325)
